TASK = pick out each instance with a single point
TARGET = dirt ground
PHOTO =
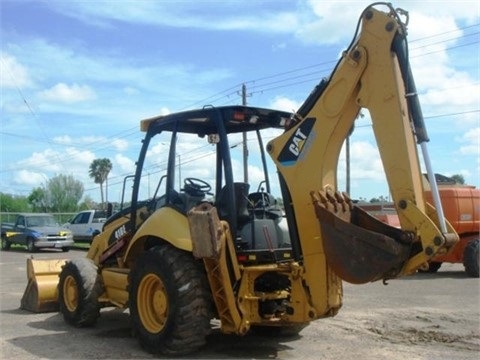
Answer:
(425, 316)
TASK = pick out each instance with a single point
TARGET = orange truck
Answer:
(461, 207)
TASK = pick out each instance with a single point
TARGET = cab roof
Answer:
(236, 118)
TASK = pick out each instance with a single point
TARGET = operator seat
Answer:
(241, 200)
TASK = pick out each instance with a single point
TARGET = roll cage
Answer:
(216, 123)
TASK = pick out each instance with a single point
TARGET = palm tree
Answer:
(99, 170)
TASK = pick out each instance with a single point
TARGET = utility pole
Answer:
(106, 191)
(244, 137)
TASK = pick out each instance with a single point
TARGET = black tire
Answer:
(5, 243)
(78, 292)
(170, 302)
(471, 258)
(433, 267)
(31, 245)
(66, 249)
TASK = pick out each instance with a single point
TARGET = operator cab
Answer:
(197, 157)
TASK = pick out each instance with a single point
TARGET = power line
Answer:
(258, 85)
(27, 104)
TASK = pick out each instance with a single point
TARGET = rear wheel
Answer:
(471, 258)
(78, 292)
(5, 243)
(170, 304)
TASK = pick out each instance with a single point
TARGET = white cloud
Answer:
(285, 104)
(46, 160)
(125, 164)
(119, 144)
(227, 15)
(13, 73)
(471, 142)
(425, 18)
(80, 75)
(321, 17)
(64, 139)
(65, 160)
(30, 178)
(67, 93)
(310, 21)
(365, 162)
(460, 94)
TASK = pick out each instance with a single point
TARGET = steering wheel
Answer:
(196, 187)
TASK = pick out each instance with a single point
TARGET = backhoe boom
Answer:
(373, 74)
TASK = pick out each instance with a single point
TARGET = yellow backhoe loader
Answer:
(193, 252)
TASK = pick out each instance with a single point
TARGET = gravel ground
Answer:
(425, 316)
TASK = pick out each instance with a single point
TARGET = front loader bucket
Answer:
(359, 248)
(41, 292)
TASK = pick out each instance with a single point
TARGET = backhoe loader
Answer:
(193, 252)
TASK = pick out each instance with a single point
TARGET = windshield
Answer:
(196, 158)
(33, 221)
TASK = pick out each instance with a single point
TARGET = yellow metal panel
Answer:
(167, 224)
(44, 267)
(116, 282)
(101, 242)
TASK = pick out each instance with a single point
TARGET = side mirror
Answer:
(109, 209)
(213, 138)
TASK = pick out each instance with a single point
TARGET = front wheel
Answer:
(170, 304)
(31, 245)
(5, 243)
(471, 258)
(78, 292)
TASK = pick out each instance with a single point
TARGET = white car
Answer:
(86, 224)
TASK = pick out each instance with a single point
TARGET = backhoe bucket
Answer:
(363, 249)
(41, 292)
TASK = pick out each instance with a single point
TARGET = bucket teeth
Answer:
(335, 202)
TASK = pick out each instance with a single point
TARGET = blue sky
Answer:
(78, 76)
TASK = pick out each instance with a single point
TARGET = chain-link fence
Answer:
(10, 217)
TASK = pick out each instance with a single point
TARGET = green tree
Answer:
(13, 203)
(99, 170)
(459, 179)
(64, 193)
(38, 199)
(61, 193)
